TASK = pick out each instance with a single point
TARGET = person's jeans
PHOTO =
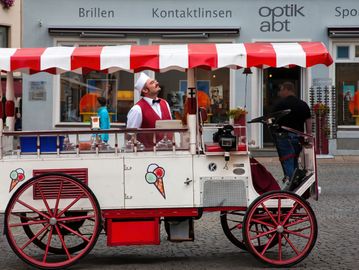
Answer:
(289, 148)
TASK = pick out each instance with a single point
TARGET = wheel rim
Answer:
(49, 221)
(290, 223)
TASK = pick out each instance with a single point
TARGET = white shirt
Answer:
(134, 116)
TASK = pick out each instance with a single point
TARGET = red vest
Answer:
(149, 118)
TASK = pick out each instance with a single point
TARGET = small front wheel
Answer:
(290, 223)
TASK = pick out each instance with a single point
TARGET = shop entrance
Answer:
(272, 79)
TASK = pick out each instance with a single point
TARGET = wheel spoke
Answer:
(268, 244)
(297, 234)
(237, 226)
(259, 239)
(280, 246)
(28, 223)
(263, 223)
(290, 213)
(71, 204)
(78, 218)
(62, 241)
(58, 199)
(23, 216)
(33, 209)
(74, 232)
(34, 237)
(291, 244)
(297, 222)
(45, 201)
(48, 244)
(233, 220)
(270, 214)
(279, 209)
(263, 234)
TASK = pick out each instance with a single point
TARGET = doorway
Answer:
(272, 79)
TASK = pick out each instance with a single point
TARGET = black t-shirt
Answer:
(299, 112)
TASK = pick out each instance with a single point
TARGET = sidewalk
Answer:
(320, 160)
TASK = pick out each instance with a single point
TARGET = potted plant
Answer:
(238, 115)
(321, 112)
(7, 3)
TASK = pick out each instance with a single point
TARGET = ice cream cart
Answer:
(56, 200)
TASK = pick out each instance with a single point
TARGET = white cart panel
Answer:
(158, 181)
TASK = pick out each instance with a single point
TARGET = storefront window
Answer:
(347, 85)
(213, 93)
(4, 36)
(343, 52)
(79, 95)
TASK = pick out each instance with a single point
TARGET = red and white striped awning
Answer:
(134, 58)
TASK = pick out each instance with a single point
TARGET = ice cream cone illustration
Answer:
(16, 176)
(160, 186)
(13, 184)
(155, 176)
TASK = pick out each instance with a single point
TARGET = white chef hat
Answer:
(141, 81)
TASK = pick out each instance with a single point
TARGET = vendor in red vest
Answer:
(148, 109)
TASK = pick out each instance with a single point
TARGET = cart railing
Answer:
(83, 141)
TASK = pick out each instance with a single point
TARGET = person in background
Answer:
(148, 109)
(104, 118)
(299, 118)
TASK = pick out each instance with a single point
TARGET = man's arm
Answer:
(134, 117)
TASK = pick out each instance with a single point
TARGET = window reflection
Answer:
(212, 93)
(79, 95)
(347, 85)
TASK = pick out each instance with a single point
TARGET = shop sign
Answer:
(322, 82)
(278, 19)
(37, 91)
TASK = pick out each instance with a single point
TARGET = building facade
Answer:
(68, 98)
(10, 37)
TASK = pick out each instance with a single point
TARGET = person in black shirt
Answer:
(299, 118)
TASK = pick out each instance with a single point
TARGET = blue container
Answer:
(47, 143)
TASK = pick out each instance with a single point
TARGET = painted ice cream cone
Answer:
(13, 184)
(160, 186)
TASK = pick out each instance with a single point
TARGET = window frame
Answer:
(6, 30)
(352, 59)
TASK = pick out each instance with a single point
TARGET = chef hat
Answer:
(141, 81)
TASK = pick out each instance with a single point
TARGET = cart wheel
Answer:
(232, 224)
(291, 223)
(50, 209)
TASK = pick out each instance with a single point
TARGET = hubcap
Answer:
(280, 229)
(53, 221)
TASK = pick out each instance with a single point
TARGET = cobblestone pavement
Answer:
(336, 248)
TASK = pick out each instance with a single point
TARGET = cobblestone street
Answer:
(336, 248)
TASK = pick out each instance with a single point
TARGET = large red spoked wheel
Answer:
(232, 225)
(61, 219)
(291, 223)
